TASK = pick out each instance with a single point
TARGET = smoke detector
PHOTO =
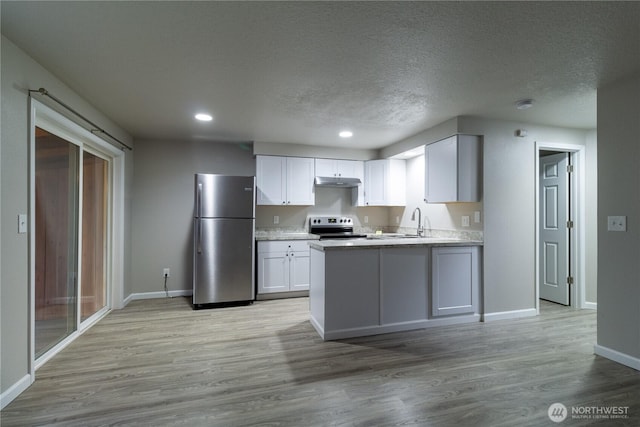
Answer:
(523, 104)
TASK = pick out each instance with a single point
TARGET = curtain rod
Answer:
(43, 91)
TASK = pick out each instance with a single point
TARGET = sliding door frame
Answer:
(50, 120)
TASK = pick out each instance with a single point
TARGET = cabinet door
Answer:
(300, 176)
(357, 193)
(273, 272)
(270, 180)
(374, 184)
(454, 280)
(441, 166)
(325, 167)
(349, 168)
(299, 270)
(396, 190)
(404, 284)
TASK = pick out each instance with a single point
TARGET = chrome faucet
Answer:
(413, 218)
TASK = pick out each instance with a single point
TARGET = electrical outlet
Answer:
(397, 220)
(616, 223)
(276, 219)
(366, 219)
(166, 272)
(476, 217)
(465, 220)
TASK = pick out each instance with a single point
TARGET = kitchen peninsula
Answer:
(380, 285)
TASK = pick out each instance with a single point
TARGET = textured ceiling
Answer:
(298, 72)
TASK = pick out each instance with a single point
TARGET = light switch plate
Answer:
(465, 220)
(616, 223)
(276, 219)
(476, 217)
(22, 223)
(366, 219)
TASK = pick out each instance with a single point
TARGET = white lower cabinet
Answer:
(455, 278)
(359, 291)
(283, 266)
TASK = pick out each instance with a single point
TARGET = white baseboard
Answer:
(338, 334)
(159, 294)
(504, 315)
(590, 305)
(127, 300)
(616, 356)
(14, 391)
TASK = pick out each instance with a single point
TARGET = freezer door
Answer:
(223, 260)
(224, 196)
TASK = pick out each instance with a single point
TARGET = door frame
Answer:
(43, 116)
(577, 212)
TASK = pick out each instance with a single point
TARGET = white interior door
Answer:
(554, 233)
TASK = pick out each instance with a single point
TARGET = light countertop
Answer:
(284, 235)
(373, 243)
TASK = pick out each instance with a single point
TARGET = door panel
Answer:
(554, 234)
(95, 204)
(56, 239)
(221, 196)
(274, 272)
(299, 271)
(224, 260)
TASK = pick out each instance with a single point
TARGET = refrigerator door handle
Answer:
(199, 216)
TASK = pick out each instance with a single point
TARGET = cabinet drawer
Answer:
(282, 245)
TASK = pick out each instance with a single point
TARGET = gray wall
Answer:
(618, 179)
(508, 204)
(509, 208)
(19, 73)
(163, 204)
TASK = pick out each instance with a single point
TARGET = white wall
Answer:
(618, 252)
(20, 73)
(435, 216)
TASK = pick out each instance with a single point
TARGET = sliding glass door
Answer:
(72, 206)
(56, 239)
(95, 214)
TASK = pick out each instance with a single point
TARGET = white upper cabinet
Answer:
(284, 180)
(344, 169)
(340, 168)
(452, 170)
(385, 183)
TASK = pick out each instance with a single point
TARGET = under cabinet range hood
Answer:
(337, 181)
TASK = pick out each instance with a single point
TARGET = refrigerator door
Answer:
(223, 196)
(223, 260)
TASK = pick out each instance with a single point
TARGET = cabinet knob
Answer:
(283, 202)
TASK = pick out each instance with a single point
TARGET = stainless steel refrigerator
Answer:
(224, 232)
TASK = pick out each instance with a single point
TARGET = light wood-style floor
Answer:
(159, 363)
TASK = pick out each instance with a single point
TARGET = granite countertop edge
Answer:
(395, 243)
(274, 236)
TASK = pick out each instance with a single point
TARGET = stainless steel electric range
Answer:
(333, 227)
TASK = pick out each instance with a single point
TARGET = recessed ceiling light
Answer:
(204, 117)
(523, 104)
(346, 134)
